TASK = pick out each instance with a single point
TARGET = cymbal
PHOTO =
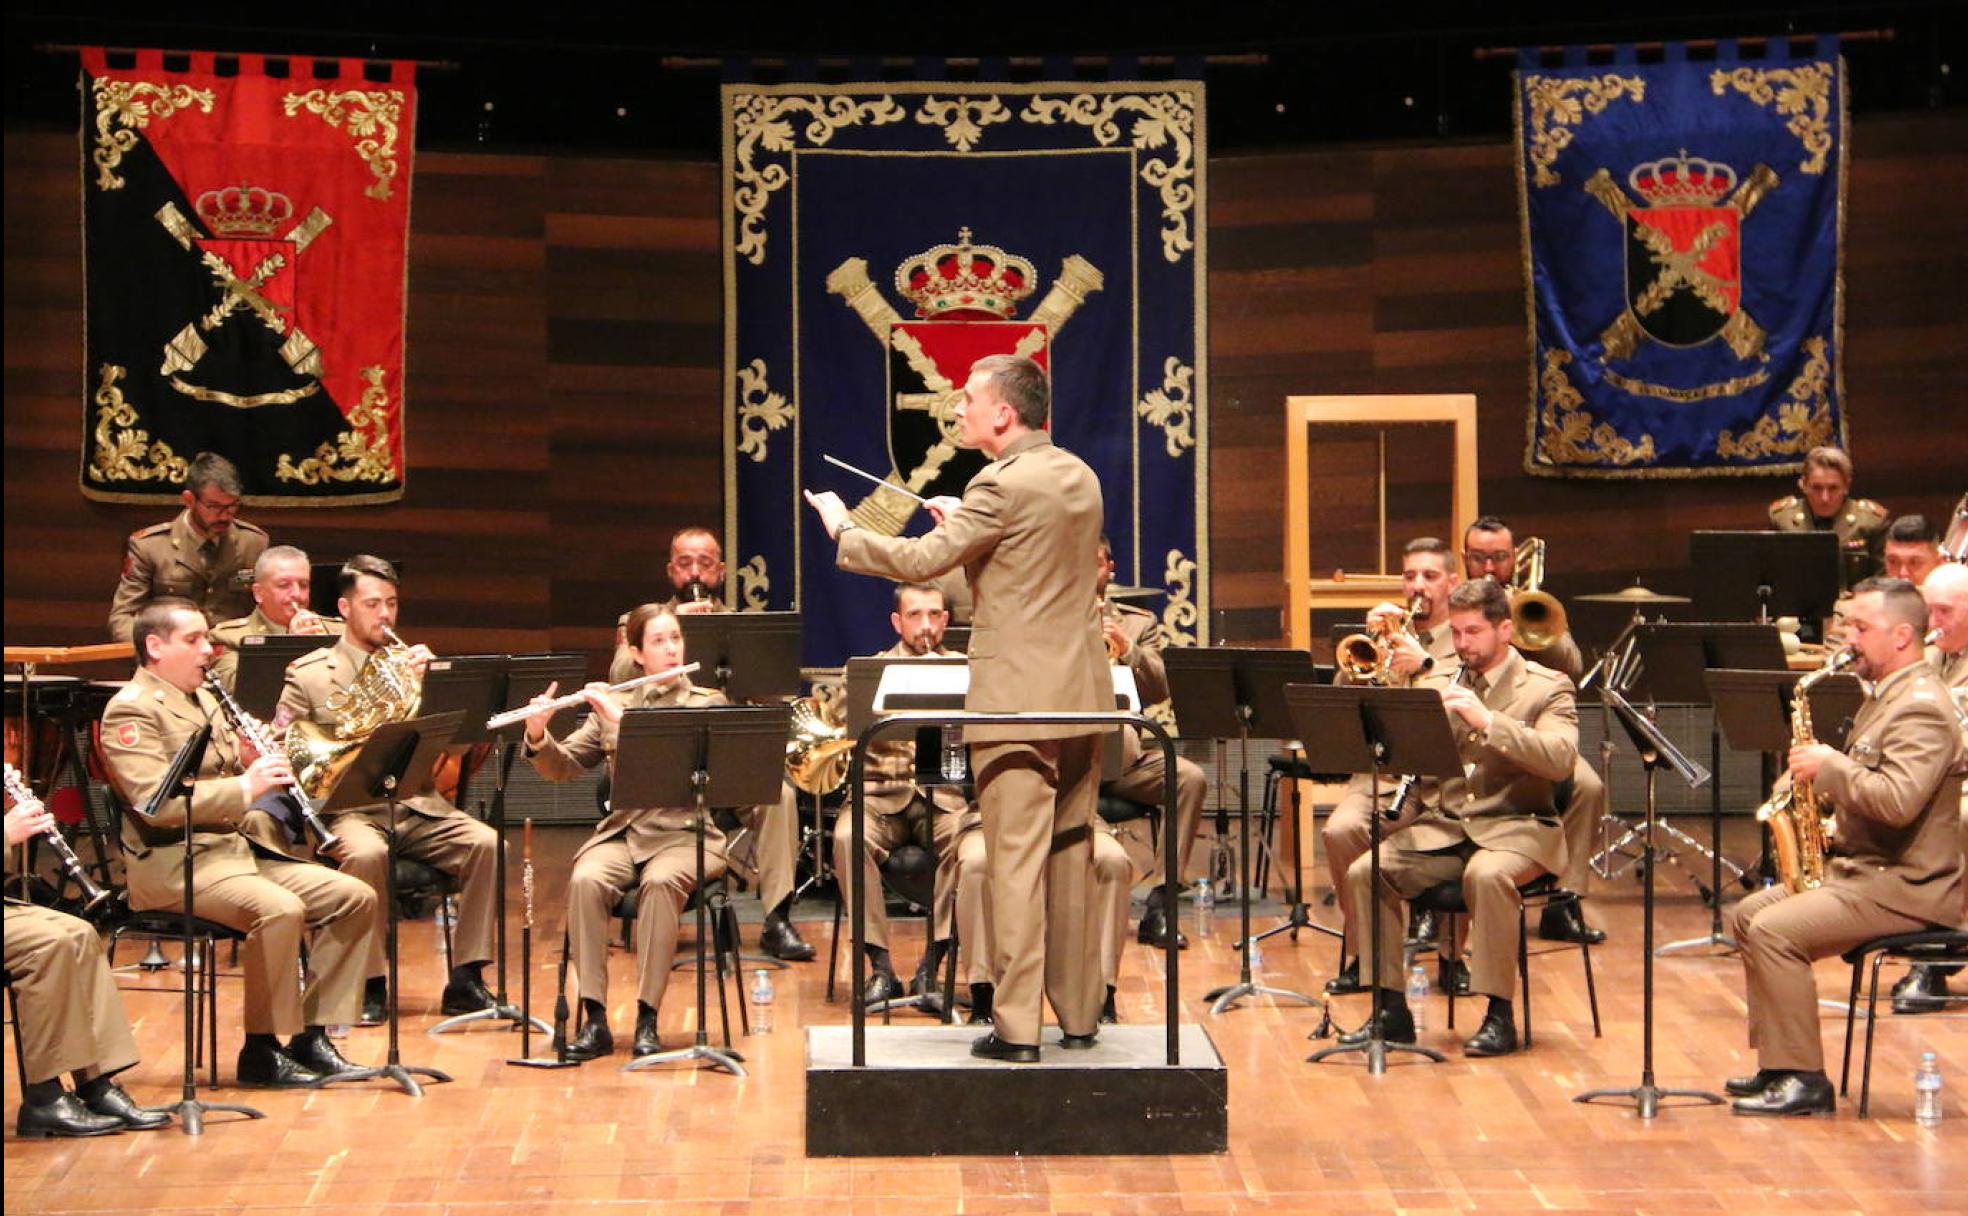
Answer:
(1117, 591)
(1636, 594)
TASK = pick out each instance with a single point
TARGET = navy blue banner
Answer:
(1682, 236)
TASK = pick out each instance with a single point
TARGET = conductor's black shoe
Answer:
(991, 1047)
(105, 1097)
(981, 996)
(1397, 1025)
(1109, 1015)
(1078, 1042)
(464, 992)
(1347, 982)
(1565, 923)
(882, 986)
(1421, 928)
(313, 1050)
(1497, 1036)
(593, 1042)
(1156, 926)
(66, 1115)
(647, 1041)
(1795, 1093)
(375, 1002)
(1921, 990)
(1755, 1083)
(779, 939)
(266, 1065)
(1452, 976)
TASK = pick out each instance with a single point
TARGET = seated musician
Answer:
(1135, 640)
(1493, 830)
(71, 1016)
(1427, 571)
(257, 885)
(1924, 988)
(1895, 852)
(428, 828)
(1913, 549)
(282, 579)
(695, 573)
(653, 849)
(1826, 505)
(204, 555)
(1489, 548)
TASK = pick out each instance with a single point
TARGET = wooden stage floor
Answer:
(1491, 1136)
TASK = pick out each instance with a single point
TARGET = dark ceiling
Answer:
(1283, 74)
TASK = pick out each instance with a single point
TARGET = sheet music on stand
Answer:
(262, 670)
(750, 656)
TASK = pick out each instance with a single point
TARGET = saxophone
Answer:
(1799, 828)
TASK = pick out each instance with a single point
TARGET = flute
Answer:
(91, 893)
(500, 721)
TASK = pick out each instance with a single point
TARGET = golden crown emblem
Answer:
(243, 210)
(963, 278)
(1682, 181)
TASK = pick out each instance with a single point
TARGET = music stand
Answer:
(262, 669)
(393, 763)
(1361, 728)
(1656, 752)
(1760, 576)
(671, 757)
(1236, 692)
(749, 655)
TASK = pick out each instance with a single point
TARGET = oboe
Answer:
(255, 734)
(70, 863)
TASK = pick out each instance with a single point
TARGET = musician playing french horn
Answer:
(652, 849)
(1894, 863)
(428, 828)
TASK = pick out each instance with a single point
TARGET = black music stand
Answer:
(1760, 576)
(1236, 692)
(749, 655)
(262, 669)
(1656, 752)
(668, 757)
(1360, 728)
(393, 763)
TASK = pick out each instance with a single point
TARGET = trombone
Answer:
(1537, 619)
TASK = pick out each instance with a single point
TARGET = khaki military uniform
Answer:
(1494, 829)
(1953, 670)
(1860, 525)
(1587, 805)
(652, 848)
(238, 881)
(174, 558)
(1143, 774)
(428, 828)
(1895, 864)
(71, 1015)
(225, 639)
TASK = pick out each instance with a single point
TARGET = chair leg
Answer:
(1851, 1018)
(834, 946)
(1524, 967)
(1446, 925)
(1591, 989)
(950, 974)
(212, 1001)
(1872, 1020)
(727, 922)
(20, 1047)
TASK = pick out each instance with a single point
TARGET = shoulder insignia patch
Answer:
(127, 734)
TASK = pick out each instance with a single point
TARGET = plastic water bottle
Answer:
(1927, 1091)
(1256, 958)
(761, 1001)
(953, 754)
(1205, 907)
(1418, 995)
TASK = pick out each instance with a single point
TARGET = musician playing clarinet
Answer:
(650, 848)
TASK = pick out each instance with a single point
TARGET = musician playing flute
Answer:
(650, 848)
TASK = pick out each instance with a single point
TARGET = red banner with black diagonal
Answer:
(246, 225)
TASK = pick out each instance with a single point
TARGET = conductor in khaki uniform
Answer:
(1924, 987)
(1825, 504)
(1493, 830)
(205, 555)
(71, 1016)
(427, 828)
(282, 581)
(653, 849)
(1895, 851)
(243, 883)
(1022, 532)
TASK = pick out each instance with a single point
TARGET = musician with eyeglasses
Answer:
(282, 580)
(1924, 988)
(205, 554)
(1894, 858)
(427, 828)
(269, 894)
(652, 849)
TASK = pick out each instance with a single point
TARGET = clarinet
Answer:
(251, 730)
(70, 863)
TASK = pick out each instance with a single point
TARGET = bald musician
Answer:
(1923, 989)
(205, 555)
(1825, 504)
(283, 579)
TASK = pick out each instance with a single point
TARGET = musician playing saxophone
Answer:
(1895, 858)
(652, 849)
(428, 828)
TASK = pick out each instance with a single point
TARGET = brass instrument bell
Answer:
(1537, 619)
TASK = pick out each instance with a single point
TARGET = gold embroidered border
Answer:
(361, 453)
(124, 453)
(1171, 407)
(1161, 120)
(762, 123)
(1704, 392)
(370, 116)
(1570, 434)
(1803, 418)
(1803, 93)
(760, 410)
(1179, 615)
(218, 397)
(963, 119)
(1558, 103)
(753, 584)
(124, 107)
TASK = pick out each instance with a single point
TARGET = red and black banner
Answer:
(246, 224)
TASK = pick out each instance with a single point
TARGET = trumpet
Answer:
(1537, 619)
(500, 721)
(256, 734)
(1367, 658)
(64, 853)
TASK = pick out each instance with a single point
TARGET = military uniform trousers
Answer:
(1038, 799)
(1781, 935)
(770, 846)
(273, 908)
(457, 844)
(1142, 782)
(1490, 878)
(882, 835)
(663, 882)
(1115, 871)
(71, 1016)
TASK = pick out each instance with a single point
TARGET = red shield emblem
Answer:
(126, 734)
(928, 364)
(1683, 271)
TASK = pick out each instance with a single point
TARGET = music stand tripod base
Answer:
(509, 1013)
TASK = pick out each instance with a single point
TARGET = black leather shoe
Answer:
(1452, 975)
(991, 1047)
(1347, 982)
(925, 980)
(592, 1043)
(1396, 1026)
(1497, 1036)
(1755, 1083)
(1109, 1016)
(1565, 923)
(375, 1003)
(1921, 990)
(67, 1115)
(981, 996)
(1078, 1042)
(268, 1066)
(105, 1097)
(882, 986)
(316, 1052)
(1155, 928)
(1795, 1093)
(466, 993)
(1421, 929)
(779, 939)
(647, 1041)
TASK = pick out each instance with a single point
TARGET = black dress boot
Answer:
(647, 1041)
(1794, 1093)
(104, 1096)
(264, 1064)
(593, 1041)
(991, 1047)
(375, 1002)
(1922, 990)
(981, 996)
(1109, 1015)
(1497, 1036)
(49, 1110)
(465, 992)
(1347, 982)
(1397, 1023)
(313, 1050)
(779, 939)
(1566, 923)
(1157, 924)
(1755, 1083)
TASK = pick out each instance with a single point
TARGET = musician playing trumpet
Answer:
(428, 828)
(282, 582)
(1894, 858)
(650, 848)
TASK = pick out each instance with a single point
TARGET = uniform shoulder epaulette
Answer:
(235, 625)
(1130, 610)
(1866, 512)
(700, 695)
(129, 692)
(245, 525)
(163, 529)
(1788, 502)
(313, 656)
